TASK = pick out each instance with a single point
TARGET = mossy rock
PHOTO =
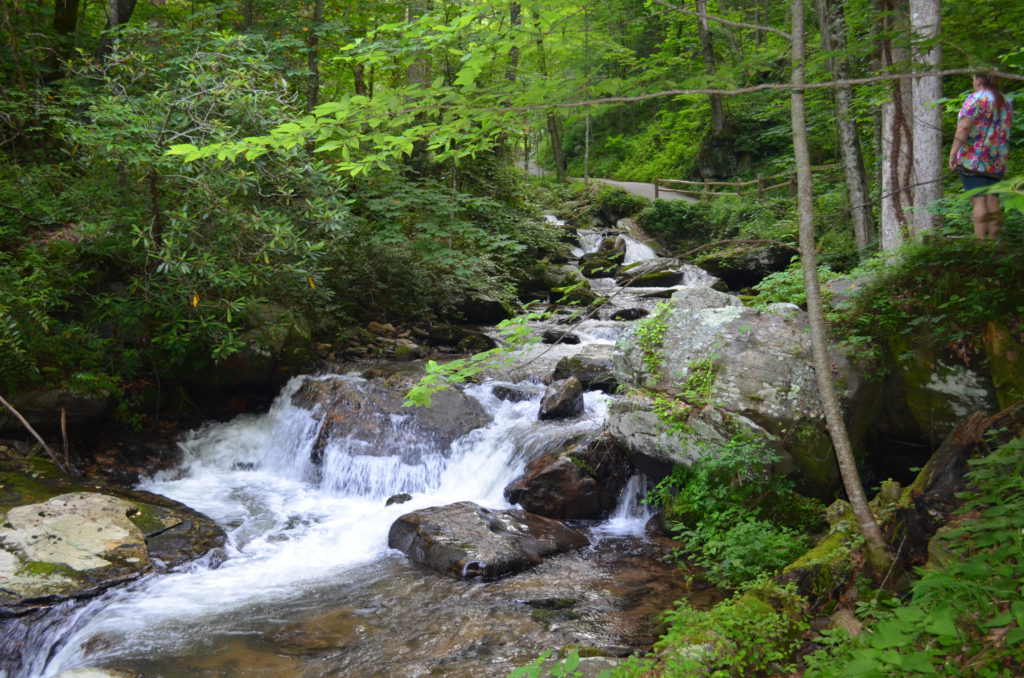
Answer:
(1006, 364)
(811, 448)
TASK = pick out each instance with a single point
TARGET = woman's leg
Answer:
(979, 215)
(994, 219)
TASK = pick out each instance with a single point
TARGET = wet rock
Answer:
(562, 398)
(612, 246)
(511, 394)
(744, 265)
(398, 499)
(380, 329)
(371, 412)
(60, 538)
(556, 336)
(466, 541)
(593, 366)
(628, 314)
(583, 479)
(760, 368)
(91, 672)
(597, 265)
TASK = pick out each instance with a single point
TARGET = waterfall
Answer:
(290, 527)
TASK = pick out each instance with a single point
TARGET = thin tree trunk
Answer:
(878, 554)
(925, 19)
(313, 90)
(832, 20)
(359, 77)
(717, 111)
(119, 12)
(515, 18)
(556, 137)
(248, 14)
(65, 23)
(896, 151)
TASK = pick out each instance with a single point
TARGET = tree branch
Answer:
(727, 22)
(24, 422)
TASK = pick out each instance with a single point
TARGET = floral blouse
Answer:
(989, 141)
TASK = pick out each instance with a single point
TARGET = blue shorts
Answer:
(972, 181)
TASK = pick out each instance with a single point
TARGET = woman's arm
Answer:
(960, 137)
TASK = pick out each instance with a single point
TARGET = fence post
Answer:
(655, 188)
(760, 186)
(707, 191)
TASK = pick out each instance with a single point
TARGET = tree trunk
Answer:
(878, 555)
(896, 151)
(119, 12)
(65, 23)
(925, 19)
(359, 77)
(313, 89)
(717, 111)
(832, 20)
(556, 146)
(515, 17)
(248, 10)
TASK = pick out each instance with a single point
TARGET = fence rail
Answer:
(705, 191)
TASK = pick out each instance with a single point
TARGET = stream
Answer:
(306, 585)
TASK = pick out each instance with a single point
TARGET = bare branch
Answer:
(727, 22)
(770, 86)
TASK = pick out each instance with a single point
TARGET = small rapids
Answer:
(306, 585)
(302, 540)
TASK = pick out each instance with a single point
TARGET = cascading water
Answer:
(307, 585)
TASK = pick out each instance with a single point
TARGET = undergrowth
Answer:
(966, 620)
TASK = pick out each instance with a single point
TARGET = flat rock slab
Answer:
(63, 537)
(466, 541)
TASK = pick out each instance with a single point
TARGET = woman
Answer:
(980, 148)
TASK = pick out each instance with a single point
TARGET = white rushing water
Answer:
(289, 525)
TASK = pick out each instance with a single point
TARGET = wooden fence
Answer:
(706, 189)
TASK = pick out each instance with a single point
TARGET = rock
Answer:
(612, 246)
(465, 339)
(580, 295)
(481, 309)
(655, 445)
(370, 411)
(380, 329)
(1006, 364)
(91, 672)
(59, 540)
(277, 346)
(42, 410)
(466, 541)
(930, 391)
(597, 265)
(630, 272)
(744, 265)
(562, 398)
(846, 620)
(583, 479)
(398, 499)
(511, 394)
(593, 366)
(556, 336)
(760, 369)
(628, 314)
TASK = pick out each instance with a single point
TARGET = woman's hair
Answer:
(991, 83)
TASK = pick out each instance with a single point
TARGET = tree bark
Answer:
(878, 554)
(119, 12)
(515, 17)
(556, 137)
(897, 146)
(832, 20)
(65, 23)
(707, 50)
(313, 88)
(925, 20)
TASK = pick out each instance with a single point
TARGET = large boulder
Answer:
(655, 442)
(370, 411)
(593, 366)
(756, 365)
(931, 390)
(466, 541)
(562, 399)
(277, 346)
(582, 479)
(61, 538)
(745, 265)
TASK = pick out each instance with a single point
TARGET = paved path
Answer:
(634, 187)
